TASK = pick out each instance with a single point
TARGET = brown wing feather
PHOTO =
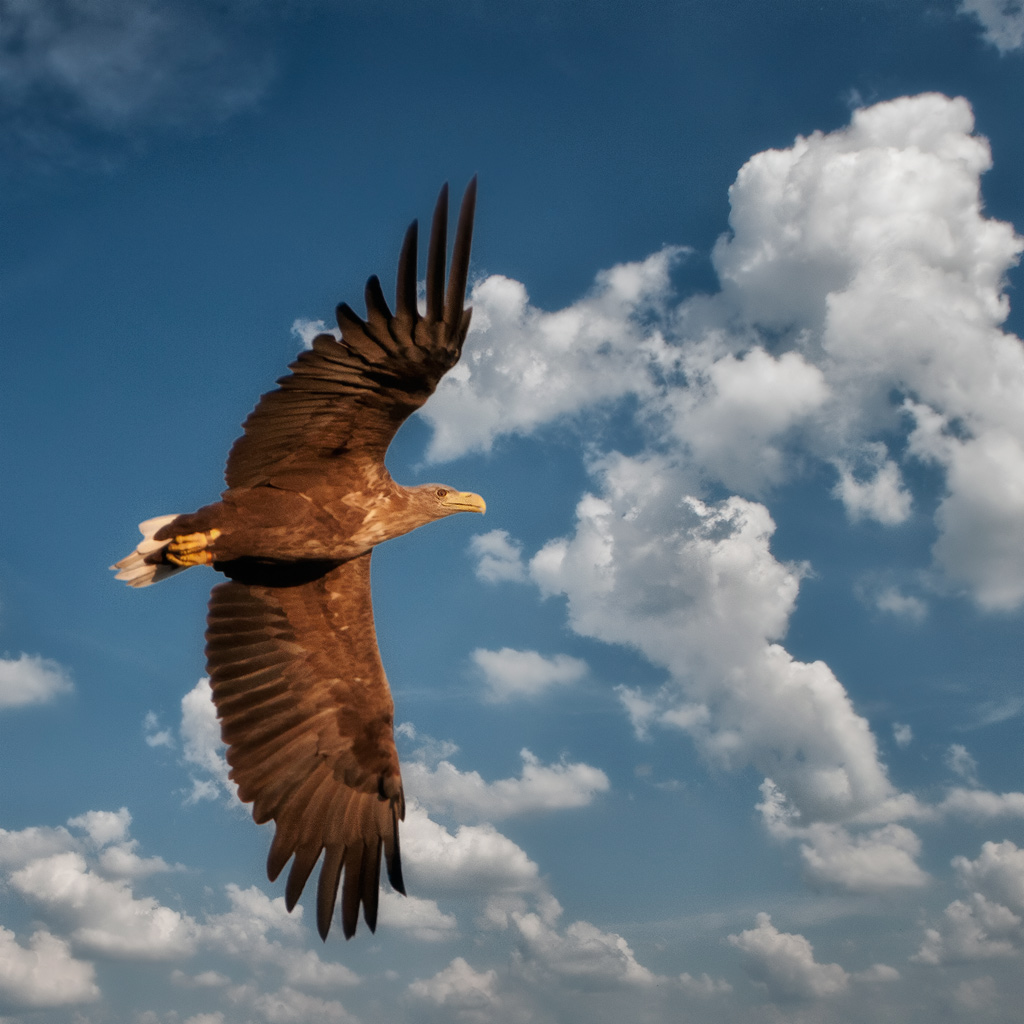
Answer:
(308, 718)
(344, 401)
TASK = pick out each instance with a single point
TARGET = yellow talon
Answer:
(191, 549)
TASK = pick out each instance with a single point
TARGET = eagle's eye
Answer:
(441, 492)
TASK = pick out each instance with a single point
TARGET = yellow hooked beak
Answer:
(465, 501)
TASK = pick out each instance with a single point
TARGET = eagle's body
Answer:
(297, 680)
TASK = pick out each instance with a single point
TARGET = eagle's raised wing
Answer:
(344, 400)
(308, 718)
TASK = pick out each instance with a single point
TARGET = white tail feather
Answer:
(134, 569)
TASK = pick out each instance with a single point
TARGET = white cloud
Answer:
(104, 915)
(862, 297)
(499, 557)
(1002, 20)
(871, 241)
(989, 924)
(882, 860)
(902, 734)
(108, 834)
(696, 589)
(959, 761)
(977, 995)
(582, 954)
(510, 673)
(202, 747)
(703, 987)
(997, 871)
(526, 367)
(153, 734)
(104, 827)
(877, 491)
(858, 861)
(419, 918)
(289, 1006)
(306, 970)
(458, 987)
(476, 860)
(735, 413)
(977, 804)
(43, 975)
(877, 974)
(18, 848)
(243, 930)
(306, 330)
(891, 600)
(539, 787)
(30, 679)
(977, 929)
(785, 963)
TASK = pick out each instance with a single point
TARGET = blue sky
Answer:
(716, 715)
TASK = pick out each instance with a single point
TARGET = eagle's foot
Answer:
(191, 549)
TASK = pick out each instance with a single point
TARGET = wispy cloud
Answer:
(122, 66)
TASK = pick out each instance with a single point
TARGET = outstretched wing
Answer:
(346, 399)
(308, 718)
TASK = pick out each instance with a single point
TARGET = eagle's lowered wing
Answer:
(308, 718)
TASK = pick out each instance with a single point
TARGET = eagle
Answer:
(295, 671)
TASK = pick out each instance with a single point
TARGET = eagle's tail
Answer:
(135, 570)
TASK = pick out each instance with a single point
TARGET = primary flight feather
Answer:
(291, 650)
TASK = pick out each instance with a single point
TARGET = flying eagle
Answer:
(291, 651)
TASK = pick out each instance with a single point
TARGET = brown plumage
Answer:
(297, 680)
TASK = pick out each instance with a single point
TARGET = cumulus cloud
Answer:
(850, 858)
(509, 673)
(975, 929)
(30, 679)
(859, 324)
(581, 954)
(105, 916)
(881, 860)
(83, 879)
(998, 870)
(526, 367)
(287, 1005)
(877, 492)
(695, 588)
(734, 416)
(85, 884)
(104, 827)
(417, 917)
(458, 988)
(43, 974)
(539, 787)
(858, 327)
(989, 924)
(869, 243)
(976, 804)
(475, 860)
(784, 963)
(108, 834)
